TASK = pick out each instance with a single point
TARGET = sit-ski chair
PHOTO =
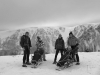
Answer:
(66, 60)
(37, 58)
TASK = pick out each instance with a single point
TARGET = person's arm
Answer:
(43, 44)
(22, 42)
(68, 41)
(30, 43)
(55, 44)
(68, 45)
(77, 41)
(63, 44)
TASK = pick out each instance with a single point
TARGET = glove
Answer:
(69, 47)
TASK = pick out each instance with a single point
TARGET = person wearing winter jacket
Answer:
(59, 46)
(25, 43)
(40, 46)
(73, 42)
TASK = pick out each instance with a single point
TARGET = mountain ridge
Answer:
(88, 34)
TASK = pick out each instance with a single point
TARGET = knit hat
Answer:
(70, 33)
(26, 32)
(38, 37)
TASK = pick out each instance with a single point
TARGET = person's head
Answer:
(70, 34)
(27, 33)
(38, 38)
(60, 36)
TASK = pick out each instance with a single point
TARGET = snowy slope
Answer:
(10, 39)
(89, 66)
(88, 34)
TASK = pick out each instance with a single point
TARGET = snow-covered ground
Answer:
(12, 65)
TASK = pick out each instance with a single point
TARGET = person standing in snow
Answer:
(73, 42)
(40, 46)
(25, 43)
(59, 46)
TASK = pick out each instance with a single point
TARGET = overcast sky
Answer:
(25, 13)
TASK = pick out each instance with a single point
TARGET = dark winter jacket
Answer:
(25, 41)
(59, 44)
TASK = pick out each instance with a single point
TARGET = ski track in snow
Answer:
(12, 65)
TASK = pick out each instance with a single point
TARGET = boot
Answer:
(54, 62)
(24, 65)
(44, 59)
(77, 63)
(28, 63)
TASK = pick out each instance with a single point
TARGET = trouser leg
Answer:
(77, 57)
(73, 52)
(44, 55)
(28, 54)
(24, 57)
(61, 53)
(57, 51)
(73, 56)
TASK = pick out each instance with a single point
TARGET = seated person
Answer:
(37, 56)
(40, 45)
(65, 58)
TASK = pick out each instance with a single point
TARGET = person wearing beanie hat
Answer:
(40, 45)
(59, 46)
(73, 42)
(25, 43)
(70, 33)
(38, 37)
